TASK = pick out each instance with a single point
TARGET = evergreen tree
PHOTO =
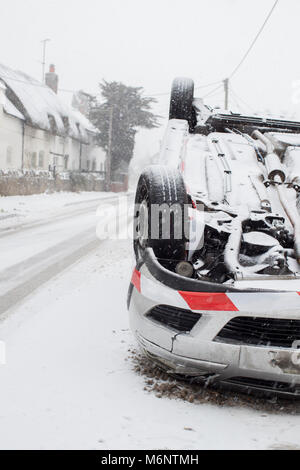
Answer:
(127, 110)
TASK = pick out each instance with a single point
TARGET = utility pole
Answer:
(226, 89)
(109, 149)
(44, 42)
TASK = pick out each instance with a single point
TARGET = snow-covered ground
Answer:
(69, 382)
(16, 209)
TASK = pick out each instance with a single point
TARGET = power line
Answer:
(228, 79)
(4, 77)
(236, 102)
(220, 83)
(239, 64)
(68, 91)
(36, 84)
(212, 91)
(64, 90)
(255, 40)
(241, 100)
(207, 85)
(154, 95)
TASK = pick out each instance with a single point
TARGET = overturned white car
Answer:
(215, 293)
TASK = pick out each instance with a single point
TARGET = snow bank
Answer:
(39, 205)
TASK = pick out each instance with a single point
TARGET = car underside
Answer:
(249, 195)
(221, 301)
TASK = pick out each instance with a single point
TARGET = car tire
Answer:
(181, 103)
(159, 185)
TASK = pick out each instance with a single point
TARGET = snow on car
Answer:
(215, 293)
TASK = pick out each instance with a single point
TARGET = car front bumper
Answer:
(197, 353)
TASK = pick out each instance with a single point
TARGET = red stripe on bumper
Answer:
(136, 280)
(208, 301)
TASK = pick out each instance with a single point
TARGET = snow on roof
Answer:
(40, 102)
(84, 121)
(10, 108)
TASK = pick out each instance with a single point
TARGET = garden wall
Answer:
(15, 183)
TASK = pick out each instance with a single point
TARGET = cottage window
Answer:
(66, 161)
(33, 159)
(52, 123)
(94, 165)
(78, 127)
(66, 123)
(41, 159)
(88, 163)
(9, 155)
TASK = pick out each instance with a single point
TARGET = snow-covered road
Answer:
(68, 382)
(38, 247)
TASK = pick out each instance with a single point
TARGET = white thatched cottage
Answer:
(38, 131)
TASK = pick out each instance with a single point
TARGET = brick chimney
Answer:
(52, 79)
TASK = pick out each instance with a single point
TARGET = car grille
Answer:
(261, 331)
(263, 384)
(177, 318)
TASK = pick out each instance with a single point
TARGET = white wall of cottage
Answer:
(11, 130)
(39, 148)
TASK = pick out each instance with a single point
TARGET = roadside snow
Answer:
(38, 204)
(17, 210)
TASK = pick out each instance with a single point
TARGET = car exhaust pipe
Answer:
(292, 214)
(276, 175)
(272, 162)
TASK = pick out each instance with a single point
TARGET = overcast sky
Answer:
(148, 42)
